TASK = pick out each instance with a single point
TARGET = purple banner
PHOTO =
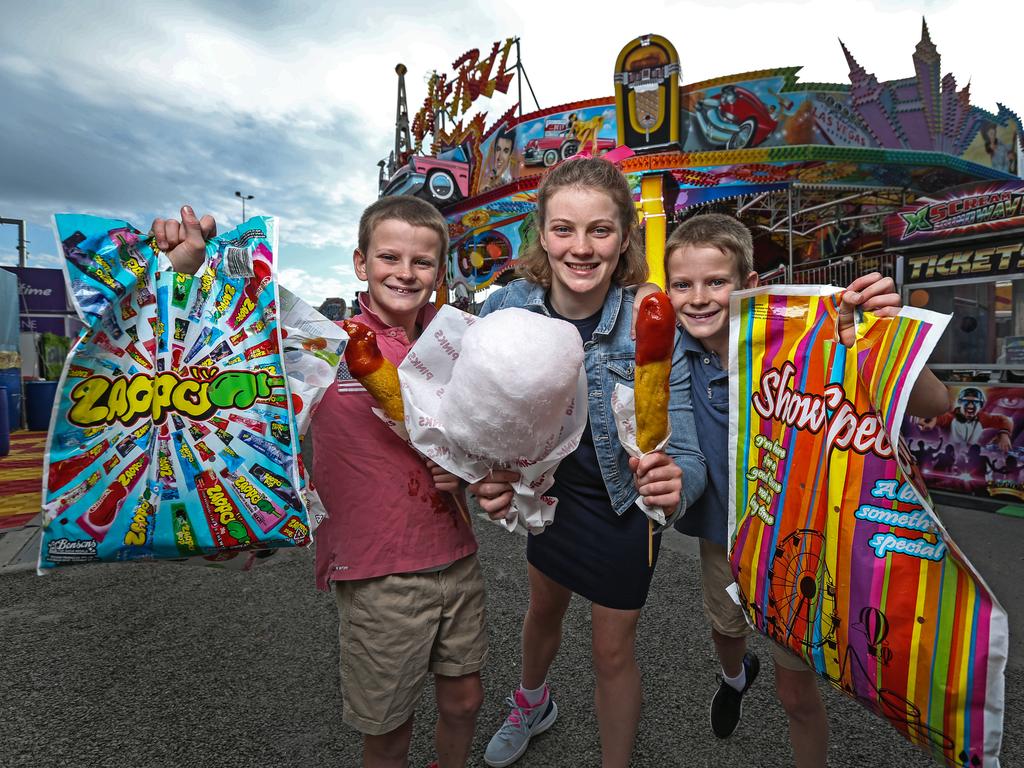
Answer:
(40, 290)
(43, 324)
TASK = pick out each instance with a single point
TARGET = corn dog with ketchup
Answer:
(374, 371)
(655, 338)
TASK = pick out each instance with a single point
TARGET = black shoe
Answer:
(727, 704)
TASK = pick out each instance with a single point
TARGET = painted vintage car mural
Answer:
(441, 180)
(561, 140)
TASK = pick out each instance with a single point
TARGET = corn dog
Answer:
(373, 370)
(655, 337)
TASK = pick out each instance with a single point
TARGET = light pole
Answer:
(243, 198)
(21, 237)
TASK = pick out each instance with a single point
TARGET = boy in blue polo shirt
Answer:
(706, 258)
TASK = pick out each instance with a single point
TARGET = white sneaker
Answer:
(522, 723)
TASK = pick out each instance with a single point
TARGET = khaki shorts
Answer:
(724, 614)
(396, 630)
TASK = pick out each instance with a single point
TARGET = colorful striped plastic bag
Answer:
(836, 552)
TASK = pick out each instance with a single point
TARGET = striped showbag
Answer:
(836, 551)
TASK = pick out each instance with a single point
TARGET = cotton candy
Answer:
(513, 382)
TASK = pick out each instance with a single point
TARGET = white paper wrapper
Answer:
(313, 347)
(625, 425)
(425, 372)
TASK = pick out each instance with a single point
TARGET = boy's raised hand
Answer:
(872, 293)
(184, 242)
(877, 294)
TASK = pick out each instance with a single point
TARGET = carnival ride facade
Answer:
(813, 168)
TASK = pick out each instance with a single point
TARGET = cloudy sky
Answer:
(128, 109)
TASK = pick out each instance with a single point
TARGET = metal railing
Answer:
(843, 271)
(775, 276)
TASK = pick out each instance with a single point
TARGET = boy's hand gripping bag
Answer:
(173, 435)
(837, 554)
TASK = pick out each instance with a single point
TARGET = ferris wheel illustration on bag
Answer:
(801, 593)
(802, 605)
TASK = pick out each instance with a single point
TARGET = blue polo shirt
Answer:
(709, 391)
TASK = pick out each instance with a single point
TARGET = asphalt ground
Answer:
(172, 665)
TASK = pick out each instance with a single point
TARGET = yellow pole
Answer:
(441, 297)
(652, 207)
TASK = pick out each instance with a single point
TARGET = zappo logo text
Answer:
(127, 399)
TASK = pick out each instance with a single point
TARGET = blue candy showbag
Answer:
(174, 430)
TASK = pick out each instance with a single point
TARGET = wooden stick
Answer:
(650, 542)
(460, 502)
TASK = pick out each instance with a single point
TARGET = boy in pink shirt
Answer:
(400, 554)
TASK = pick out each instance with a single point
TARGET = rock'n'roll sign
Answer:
(184, 242)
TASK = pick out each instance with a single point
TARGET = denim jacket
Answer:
(609, 358)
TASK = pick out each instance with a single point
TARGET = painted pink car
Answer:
(439, 180)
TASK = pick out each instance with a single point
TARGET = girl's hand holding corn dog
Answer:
(657, 477)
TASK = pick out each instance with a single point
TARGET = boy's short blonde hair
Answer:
(587, 173)
(715, 230)
(412, 211)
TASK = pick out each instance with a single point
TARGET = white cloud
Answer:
(45, 261)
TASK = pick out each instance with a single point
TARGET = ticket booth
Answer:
(960, 253)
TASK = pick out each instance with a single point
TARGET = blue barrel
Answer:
(39, 404)
(11, 379)
(5, 427)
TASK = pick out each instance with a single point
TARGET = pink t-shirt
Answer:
(384, 514)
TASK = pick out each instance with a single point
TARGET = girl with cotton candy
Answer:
(586, 251)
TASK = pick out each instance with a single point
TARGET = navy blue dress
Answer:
(588, 548)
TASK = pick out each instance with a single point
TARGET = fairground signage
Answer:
(964, 263)
(971, 209)
(40, 290)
